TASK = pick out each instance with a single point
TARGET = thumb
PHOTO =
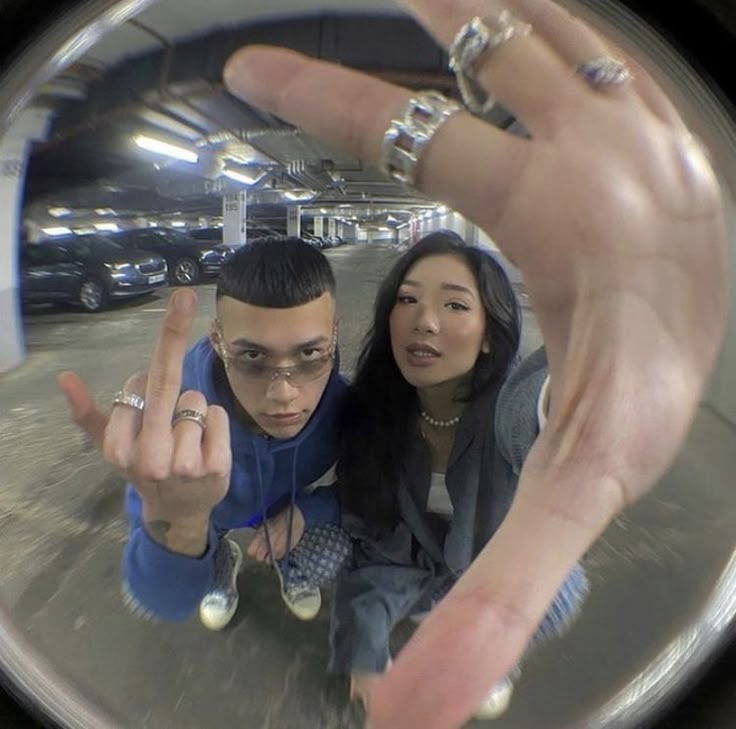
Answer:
(83, 409)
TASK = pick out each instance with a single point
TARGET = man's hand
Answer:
(179, 471)
(614, 216)
(278, 529)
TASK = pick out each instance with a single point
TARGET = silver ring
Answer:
(602, 72)
(129, 399)
(189, 414)
(474, 39)
(408, 134)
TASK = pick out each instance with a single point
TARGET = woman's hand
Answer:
(613, 214)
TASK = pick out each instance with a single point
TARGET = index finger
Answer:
(164, 375)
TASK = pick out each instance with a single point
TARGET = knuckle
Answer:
(185, 468)
(136, 383)
(154, 471)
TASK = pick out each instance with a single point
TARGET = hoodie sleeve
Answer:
(158, 583)
(319, 507)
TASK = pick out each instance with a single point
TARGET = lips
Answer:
(422, 349)
(283, 417)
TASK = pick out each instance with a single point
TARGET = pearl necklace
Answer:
(439, 423)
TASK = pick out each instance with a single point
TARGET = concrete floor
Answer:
(62, 529)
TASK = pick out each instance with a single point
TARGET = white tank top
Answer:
(439, 498)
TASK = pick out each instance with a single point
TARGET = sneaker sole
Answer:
(234, 586)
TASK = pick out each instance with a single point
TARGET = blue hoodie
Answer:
(267, 475)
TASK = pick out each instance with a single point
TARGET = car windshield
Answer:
(95, 246)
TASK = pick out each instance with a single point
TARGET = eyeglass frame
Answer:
(276, 372)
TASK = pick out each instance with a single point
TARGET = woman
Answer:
(441, 422)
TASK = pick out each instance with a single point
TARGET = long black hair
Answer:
(381, 417)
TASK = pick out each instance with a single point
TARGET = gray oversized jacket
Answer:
(401, 572)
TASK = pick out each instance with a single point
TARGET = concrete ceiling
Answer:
(161, 75)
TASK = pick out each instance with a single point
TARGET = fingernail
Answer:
(238, 76)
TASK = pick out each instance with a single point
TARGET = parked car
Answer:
(87, 270)
(189, 260)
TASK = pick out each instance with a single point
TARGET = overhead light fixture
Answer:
(57, 231)
(152, 225)
(84, 231)
(299, 195)
(170, 150)
(108, 227)
(105, 211)
(178, 224)
(59, 212)
(244, 177)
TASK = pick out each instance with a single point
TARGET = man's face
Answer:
(255, 339)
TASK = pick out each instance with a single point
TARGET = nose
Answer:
(426, 319)
(280, 390)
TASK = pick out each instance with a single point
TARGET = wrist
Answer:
(186, 535)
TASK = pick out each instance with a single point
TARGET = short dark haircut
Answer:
(383, 408)
(277, 272)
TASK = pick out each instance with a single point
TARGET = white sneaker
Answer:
(497, 700)
(219, 605)
(303, 601)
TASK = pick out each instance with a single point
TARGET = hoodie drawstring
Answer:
(264, 515)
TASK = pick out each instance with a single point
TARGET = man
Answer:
(241, 430)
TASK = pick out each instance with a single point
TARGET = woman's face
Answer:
(438, 322)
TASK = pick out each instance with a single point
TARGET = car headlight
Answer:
(120, 267)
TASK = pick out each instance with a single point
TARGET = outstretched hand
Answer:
(613, 214)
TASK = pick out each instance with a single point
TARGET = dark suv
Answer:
(88, 270)
(189, 260)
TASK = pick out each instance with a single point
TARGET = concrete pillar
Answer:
(294, 220)
(319, 226)
(15, 147)
(331, 227)
(234, 213)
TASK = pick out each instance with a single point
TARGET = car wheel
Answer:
(186, 272)
(93, 295)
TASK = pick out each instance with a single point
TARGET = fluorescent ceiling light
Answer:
(57, 231)
(152, 225)
(111, 227)
(59, 212)
(178, 224)
(170, 150)
(105, 211)
(244, 177)
(84, 231)
(301, 195)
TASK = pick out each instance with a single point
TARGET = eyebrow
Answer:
(248, 344)
(445, 286)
